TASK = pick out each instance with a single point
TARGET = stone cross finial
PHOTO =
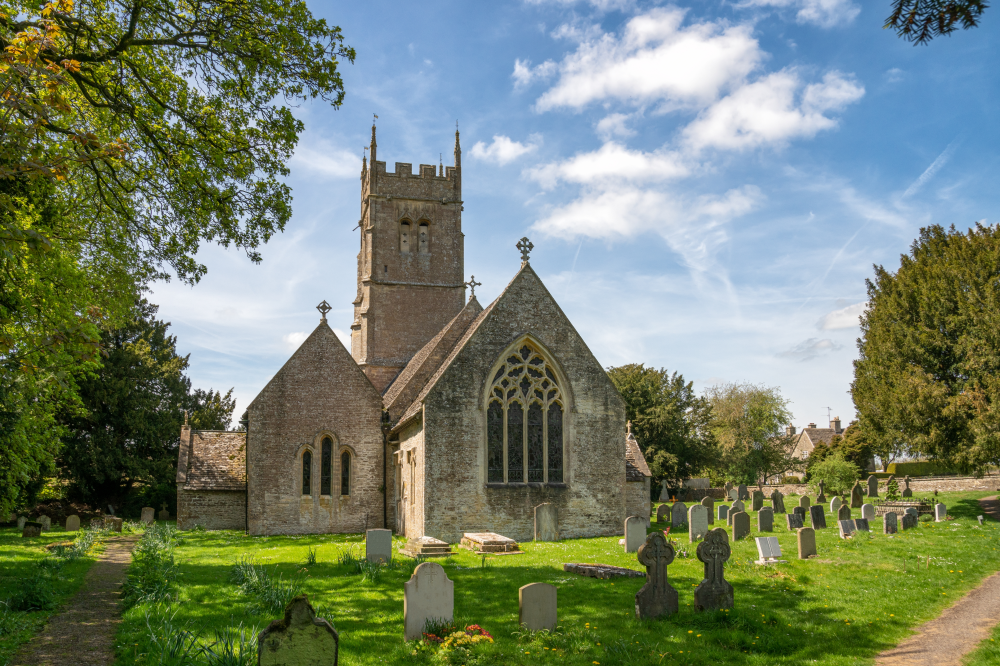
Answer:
(525, 246)
(656, 597)
(185, 417)
(472, 284)
(628, 427)
(323, 308)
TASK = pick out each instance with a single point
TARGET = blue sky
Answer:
(707, 185)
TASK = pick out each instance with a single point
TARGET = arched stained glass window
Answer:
(345, 473)
(555, 440)
(324, 467)
(494, 442)
(536, 444)
(307, 459)
(515, 443)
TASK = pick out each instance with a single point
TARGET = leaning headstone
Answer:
(46, 523)
(777, 501)
(868, 511)
(741, 525)
(299, 639)
(857, 498)
(794, 520)
(765, 519)
(72, 523)
(147, 515)
(835, 505)
(723, 513)
(769, 551)
(709, 505)
(663, 513)
(697, 523)
(678, 514)
(656, 598)
(163, 515)
(428, 595)
(909, 521)
(664, 493)
(757, 500)
(744, 494)
(21, 520)
(872, 486)
(906, 489)
(806, 538)
(844, 512)
(861, 524)
(31, 529)
(378, 546)
(801, 513)
(714, 592)
(804, 502)
(817, 517)
(940, 512)
(537, 606)
(890, 523)
(821, 497)
(546, 522)
(847, 528)
(635, 533)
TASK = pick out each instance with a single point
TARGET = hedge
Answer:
(922, 468)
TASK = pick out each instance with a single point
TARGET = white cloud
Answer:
(842, 318)
(824, 13)
(612, 163)
(344, 338)
(504, 150)
(325, 160)
(655, 60)
(294, 340)
(614, 125)
(810, 349)
(766, 111)
(524, 74)
(932, 170)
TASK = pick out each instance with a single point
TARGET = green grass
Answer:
(988, 652)
(854, 600)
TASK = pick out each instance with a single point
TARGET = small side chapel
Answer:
(444, 417)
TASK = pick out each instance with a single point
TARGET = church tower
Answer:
(411, 267)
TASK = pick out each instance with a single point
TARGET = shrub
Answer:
(919, 468)
(34, 592)
(837, 474)
(152, 574)
(791, 479)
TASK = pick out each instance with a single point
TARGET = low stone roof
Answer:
(216, 460)
(636, 468)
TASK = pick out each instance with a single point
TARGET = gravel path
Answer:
(83, 633)
(958, 630)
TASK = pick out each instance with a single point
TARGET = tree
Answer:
(928, 371)
(853, 446)
(749, 423)
(921, 21)
(837, 473)
(669, 421)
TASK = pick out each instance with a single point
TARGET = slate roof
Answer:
(636, 468)
(216, 460)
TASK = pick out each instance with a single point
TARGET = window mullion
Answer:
(505, 479)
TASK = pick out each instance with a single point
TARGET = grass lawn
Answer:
(988, 652)
(19, 561)
(857, 598)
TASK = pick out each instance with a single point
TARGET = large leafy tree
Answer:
(921, 21)
(929, 367)
(670, 422)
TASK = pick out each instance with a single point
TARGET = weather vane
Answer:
(525, 246)
(472, 284)
(323, 308)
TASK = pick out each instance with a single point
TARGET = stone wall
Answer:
(637, 502)
(211, 509)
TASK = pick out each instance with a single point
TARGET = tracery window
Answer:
(345, 473)
(404, 236)
(524, 421)
(424, 237)
(307, 473)
(324, 467)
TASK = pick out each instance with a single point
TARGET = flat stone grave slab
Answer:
(769, 550)
(426, 546)
(602, 571)
(489, 542)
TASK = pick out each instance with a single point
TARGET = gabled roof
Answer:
(636, 468)
(816, 435)
(216, 460)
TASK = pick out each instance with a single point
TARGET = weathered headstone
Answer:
(872, 486)
(801, 513)
(868, 511)
(723, 513)
(714, 592)
(847, 528)
(744, 494)
(861, 524)
(733, 494)
(163, 515)
(757, 500)
(728, 487)
(741, 525)
(46, 523)
(906, 487)
(378, 546)
(857, 497)
(844, 512)
(299, 639)
(912, 510)
(804, 501)
(147, 515)
(735, 508)
(31, 529)
(909, 521)
(794, 520)
(980, 519)
(635, 533)
(709, 505)
(835, 505)
(821, 497)
(547, 522)
(428, 595)
(765, 519)
(656, 598)
(678, 514)
(697, 523)
(21, 520)
(777, 501)
(537, 606)
(890, 523)
(664, 493)
(72, 523)
(806, 538)
(769, 550)
(663, 513)
(940, 512)
(817, 517)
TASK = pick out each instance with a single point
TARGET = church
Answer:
(444, 417)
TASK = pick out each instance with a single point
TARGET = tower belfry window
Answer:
(424, 237)
(404, 236)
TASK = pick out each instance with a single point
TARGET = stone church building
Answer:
(444, 417)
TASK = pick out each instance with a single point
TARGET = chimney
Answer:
(812, 425)
(789, 429)
(835, 424)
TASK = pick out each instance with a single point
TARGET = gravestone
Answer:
(697, 523)
(147, 515)
(709, 505)
(821, 497)
(656, 598)
(872, 486)
(857, 497)
(635, 533)
(835, 505)
(861, 525)
(765, 519)
(378, 546)
(890, 523)
(723, 513)
(794, 521)
(733, 494)
(741, 525)
(536, 604)
(744, 495)
(817, 517)
(909, 521)
(769, 551)
(906, 487)
(806, 538)
(757, 500)
(663, 513)
(801, 513)
(46, 523)
(804, 501)
(735, 508)
(847, 528)
(714, 592)
(31, 529)
(728, 487)
(678, 514)
(429, 594)
(299, 639)
(844, 513)
(547, 522)
(912, 511)
(980, 519)
(868, 511)
(940, 512)
(116, 525)
(777, 501)
(163, 514)
(72, 523)
(664, 493)
(21, 520)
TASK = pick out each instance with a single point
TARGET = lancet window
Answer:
(524, 421)
(424, 237)
(325, 464)
(345, 473)
(404, 236)
(307, 473)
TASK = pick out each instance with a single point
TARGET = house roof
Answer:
(216, 460)
(636, 468)
(813, 436)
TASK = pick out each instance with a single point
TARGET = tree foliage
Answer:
(929, 367)
(669, 421)
(837, 473)
(921, 21)
(852, 447)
